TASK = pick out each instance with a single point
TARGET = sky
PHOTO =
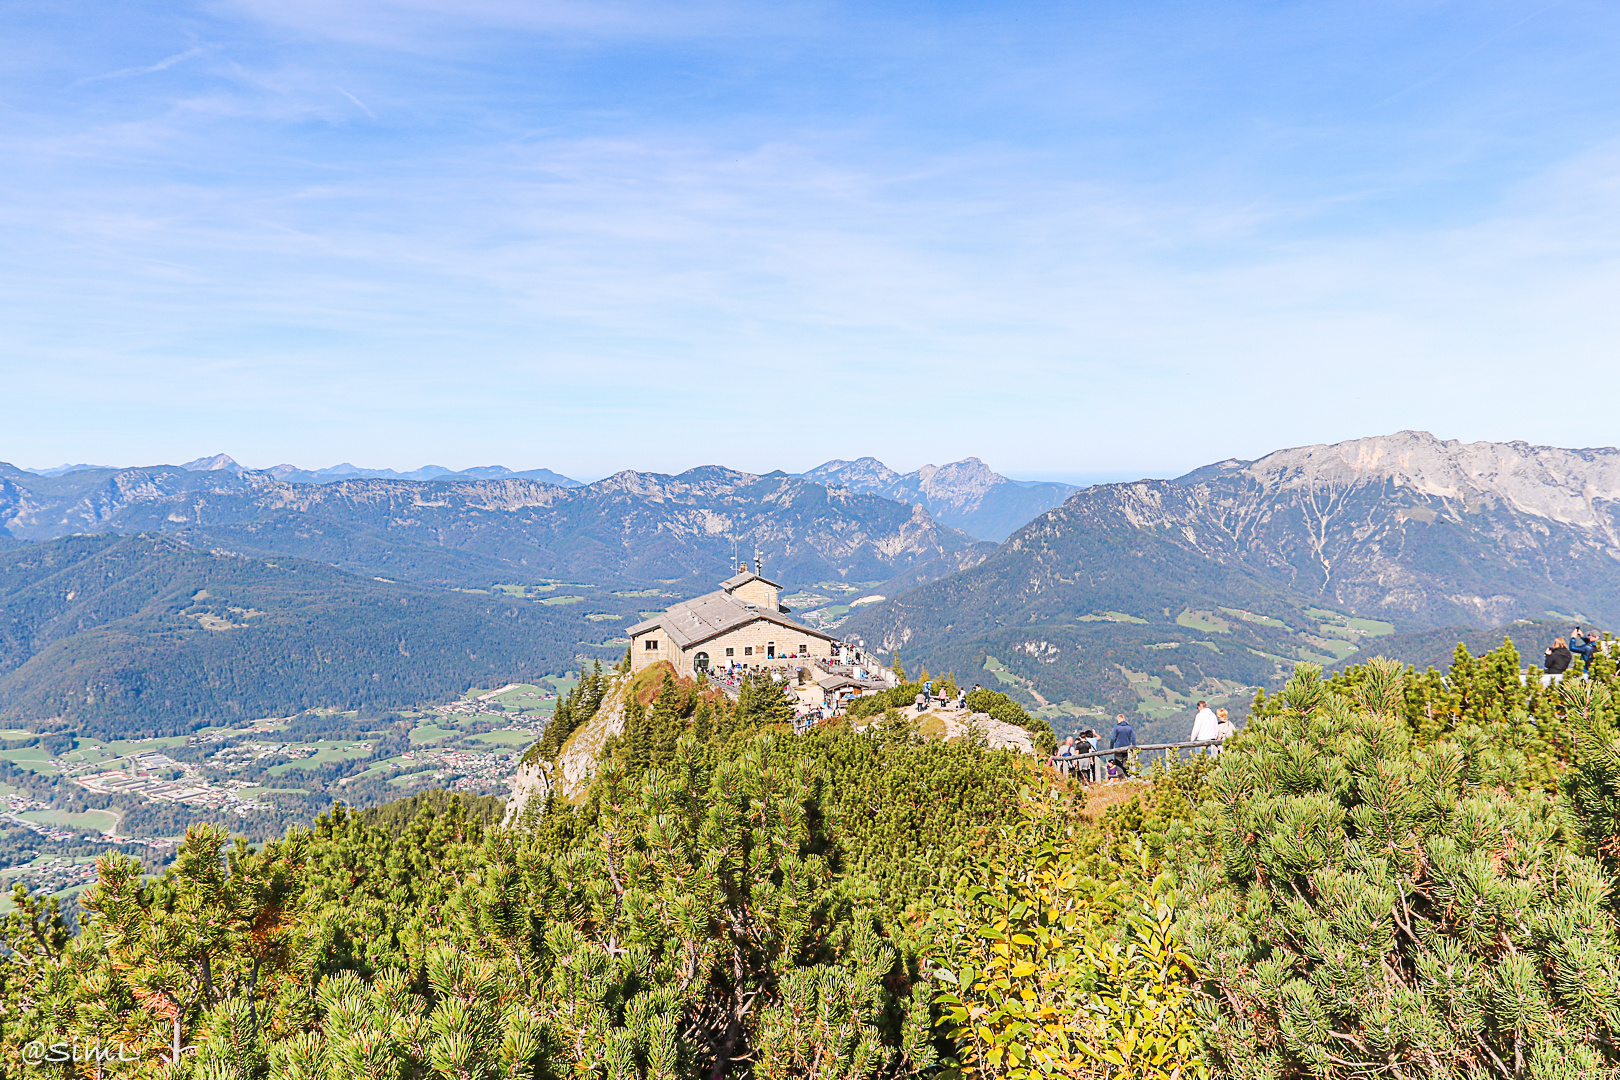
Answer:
(1074, 240)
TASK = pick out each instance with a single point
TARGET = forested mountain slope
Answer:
(964, 494)
(124, 636)
(1227, 573)
(631, 528)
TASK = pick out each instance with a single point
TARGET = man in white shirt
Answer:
(1204, 724)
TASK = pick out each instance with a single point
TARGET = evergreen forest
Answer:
(1385, 873)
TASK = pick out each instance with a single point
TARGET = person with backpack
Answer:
(1092, 768)
(1065, 758)
(1124, 739)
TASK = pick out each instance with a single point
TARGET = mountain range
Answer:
(628, 529)
(1149, 594)
(571, 565)
(294, 475)
(965, 495)
(1140, 596)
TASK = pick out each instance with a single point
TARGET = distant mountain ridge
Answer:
(1149, 593)
(966, 494)
(630, 528)
(293, 475)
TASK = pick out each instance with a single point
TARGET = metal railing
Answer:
(1057, 760)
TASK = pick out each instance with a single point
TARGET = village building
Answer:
(743, 624)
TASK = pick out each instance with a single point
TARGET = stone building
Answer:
(743, 624)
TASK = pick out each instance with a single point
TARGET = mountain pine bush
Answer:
(1386, 906)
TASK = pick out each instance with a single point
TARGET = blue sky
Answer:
(1077, 239)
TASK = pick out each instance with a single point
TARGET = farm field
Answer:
(504, 738)
(87, 820)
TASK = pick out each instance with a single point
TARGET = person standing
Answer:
(1583, 646)
(1224, 730)
(1092, 767)
(1203, 729)
(1065, 764)
(1124, 739)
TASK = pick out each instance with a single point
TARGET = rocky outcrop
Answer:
(571, 774)
(998, 735)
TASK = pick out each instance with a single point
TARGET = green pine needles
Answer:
(1385, 908)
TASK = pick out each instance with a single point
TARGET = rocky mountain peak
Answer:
(217, 463)
(963, 483)
(866, 475)
(1544, 481)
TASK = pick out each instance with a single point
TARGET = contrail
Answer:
(159, 66)
(1442, 72)
(358, 102)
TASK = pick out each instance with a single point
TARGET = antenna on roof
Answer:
(759, 563)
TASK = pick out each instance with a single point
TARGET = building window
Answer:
(748, 650)
(770, 650)
(700, 662)
(731, 652)
(652, 644)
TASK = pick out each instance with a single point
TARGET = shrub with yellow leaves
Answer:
(1052, 971)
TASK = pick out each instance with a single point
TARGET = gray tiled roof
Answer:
(703, 617)
(743, 578)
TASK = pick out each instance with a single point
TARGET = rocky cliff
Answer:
(570, 775)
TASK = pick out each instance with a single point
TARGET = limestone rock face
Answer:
(1405, 527)
(570, 775)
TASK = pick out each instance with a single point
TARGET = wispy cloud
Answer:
(148, 69)
(628, 246)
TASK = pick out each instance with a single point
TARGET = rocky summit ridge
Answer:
(1562, 485)
(966, 494)
(1308, 553)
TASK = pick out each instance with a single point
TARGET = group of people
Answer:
(1209, 726)
(926, 698)
(1563, 653)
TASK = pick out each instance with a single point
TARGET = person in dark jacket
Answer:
(1558, 658)
(1124, 738)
